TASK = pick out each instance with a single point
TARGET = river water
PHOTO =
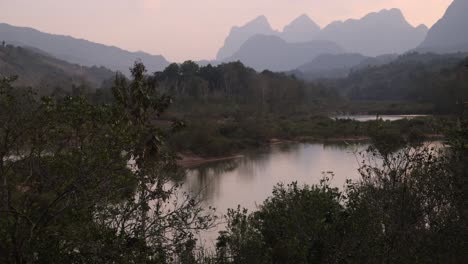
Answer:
(364, 118)
(249, 180)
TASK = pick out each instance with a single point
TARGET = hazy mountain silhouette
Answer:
(450, 33)
(326, 62)
(302, 29)
(332, 66)
(384, 32)
(36, 69)
(376, 61)
(239, 35)
(263, 52)
(377, 33)
(79, 51)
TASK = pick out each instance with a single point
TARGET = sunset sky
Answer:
(190, 29)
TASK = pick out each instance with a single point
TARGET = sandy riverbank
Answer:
(190, 160)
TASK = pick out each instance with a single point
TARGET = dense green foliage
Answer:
(213, 137)
(232, 87)
(87, 178)
(230, 107)
(409, 207)
(90, 183)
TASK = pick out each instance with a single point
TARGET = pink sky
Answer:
(190, 29)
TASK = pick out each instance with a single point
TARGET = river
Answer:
(364, 118)
(249, 180)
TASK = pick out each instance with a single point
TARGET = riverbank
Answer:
(191, 160)
(208, 138)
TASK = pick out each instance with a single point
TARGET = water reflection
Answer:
(364, 118)
(249, 180)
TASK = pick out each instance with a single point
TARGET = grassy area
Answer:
(215, 137)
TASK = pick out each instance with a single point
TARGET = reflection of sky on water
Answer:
(364, 118)
(249, 180)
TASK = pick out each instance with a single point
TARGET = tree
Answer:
(89, 183)
(295, 225)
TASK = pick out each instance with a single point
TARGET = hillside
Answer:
(331, 65)
(431, 78)
(263, 52)
(79, 51)
(301, 29)
(375, 34)
(449, 34)
(36, 69)
(378, 33)
(239, 35)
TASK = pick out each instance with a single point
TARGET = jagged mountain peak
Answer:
(259, 23)
(385, 31)
(449, 33)
(301, 29)
(240, 34)
(302, 23)
(393, 15)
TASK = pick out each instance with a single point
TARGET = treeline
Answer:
(87, 182)
(235, 85)
(91, 183)
(230, 107)
(408, 207)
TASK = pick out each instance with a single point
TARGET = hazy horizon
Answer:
(180, 29)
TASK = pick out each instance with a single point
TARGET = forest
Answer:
(87, 176)
(229, 107)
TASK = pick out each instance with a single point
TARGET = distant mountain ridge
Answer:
(450, 33)
(266, 52)
(302, 29)
(378, 33)
(383, 32)
(333, 61)
(35, 68)
(239, 35)
(333, 66)
(79, 51)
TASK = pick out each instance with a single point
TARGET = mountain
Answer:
(326, 62)
(450, 33)
(36, 69)
(330, 66)
(375, 34)
(263, 52)
(377, 61)
(335, 66)
(239, 35)
(412, 76)
(79, 51)
(302, 29)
